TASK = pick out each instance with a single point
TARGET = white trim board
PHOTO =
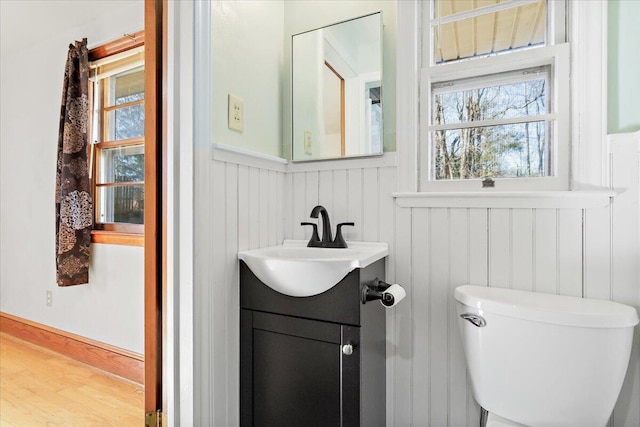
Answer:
(240, 156)
(387, 159)
(407, 95)
(507, 199)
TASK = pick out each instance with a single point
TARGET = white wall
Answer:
(110, 308)
(623, 66)
(247, 41)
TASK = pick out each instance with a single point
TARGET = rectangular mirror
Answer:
(336, 90)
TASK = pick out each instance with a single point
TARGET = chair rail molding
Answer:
(507, 199)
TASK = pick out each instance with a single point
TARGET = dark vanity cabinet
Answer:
(312, 361)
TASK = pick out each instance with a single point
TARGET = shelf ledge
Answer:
(507, 199)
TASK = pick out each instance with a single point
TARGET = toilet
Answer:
(541, 360)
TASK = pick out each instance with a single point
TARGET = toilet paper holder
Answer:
(389, 295)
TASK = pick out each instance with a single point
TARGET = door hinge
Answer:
(155, 419)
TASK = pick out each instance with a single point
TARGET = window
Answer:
(495, 81)
(118, 142)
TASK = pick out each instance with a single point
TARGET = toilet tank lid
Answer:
(548, 308)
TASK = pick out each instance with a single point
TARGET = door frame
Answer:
(155, 229)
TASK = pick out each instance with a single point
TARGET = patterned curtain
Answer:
(74, 206)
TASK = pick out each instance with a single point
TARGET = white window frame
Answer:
(557, 57)
(586, 126)
(554, 55)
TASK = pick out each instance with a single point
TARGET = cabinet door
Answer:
(294, 373)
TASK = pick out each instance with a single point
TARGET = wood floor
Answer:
(42, 388)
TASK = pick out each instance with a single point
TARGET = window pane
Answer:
(495, 32)
(122, 164)
(125, 123)
(123, 204)
(507, 151)
(499, 101)
(128, 87)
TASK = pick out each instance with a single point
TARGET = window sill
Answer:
(507, 199)
(115, 238)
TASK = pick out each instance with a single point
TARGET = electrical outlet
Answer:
(308, 140)
(236, 113)
(49, 299)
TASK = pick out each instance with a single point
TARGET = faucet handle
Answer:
(339, 240)
(314, 234)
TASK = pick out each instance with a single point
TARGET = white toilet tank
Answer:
(545, 360)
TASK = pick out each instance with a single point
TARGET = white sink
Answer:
(294, 269)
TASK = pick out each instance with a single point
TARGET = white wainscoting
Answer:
(570, 251)
(625, 259)
(590, 252)
(246, 213)
(438, 249)
(359, 194)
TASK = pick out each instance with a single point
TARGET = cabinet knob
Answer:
(347, 349)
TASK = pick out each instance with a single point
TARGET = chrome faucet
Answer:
(327, 240)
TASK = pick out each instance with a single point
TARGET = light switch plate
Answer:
(236, 113)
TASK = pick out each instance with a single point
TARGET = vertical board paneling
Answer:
(371, 205)
(439, 321)
(626, 260)
(355, 205)
(626, 232)
(286, 194)
(254, 208)
(458, 275)
(478, 246)
(386, 204)
(217, 304)
(325, 192)
(522, 248)
(243, 207)
(545, 270)
(203, 316)
(570, 252)
(273, 218)
(421, 267)
(263, 208)
(500, 248)
(340, 206)
(432, 251)
(299, 208)
(246, 212)
(478, 275)
(231, 291)
(281, 214)
(403, 321)
(383, 231)
(597, 262)
(311, 195)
